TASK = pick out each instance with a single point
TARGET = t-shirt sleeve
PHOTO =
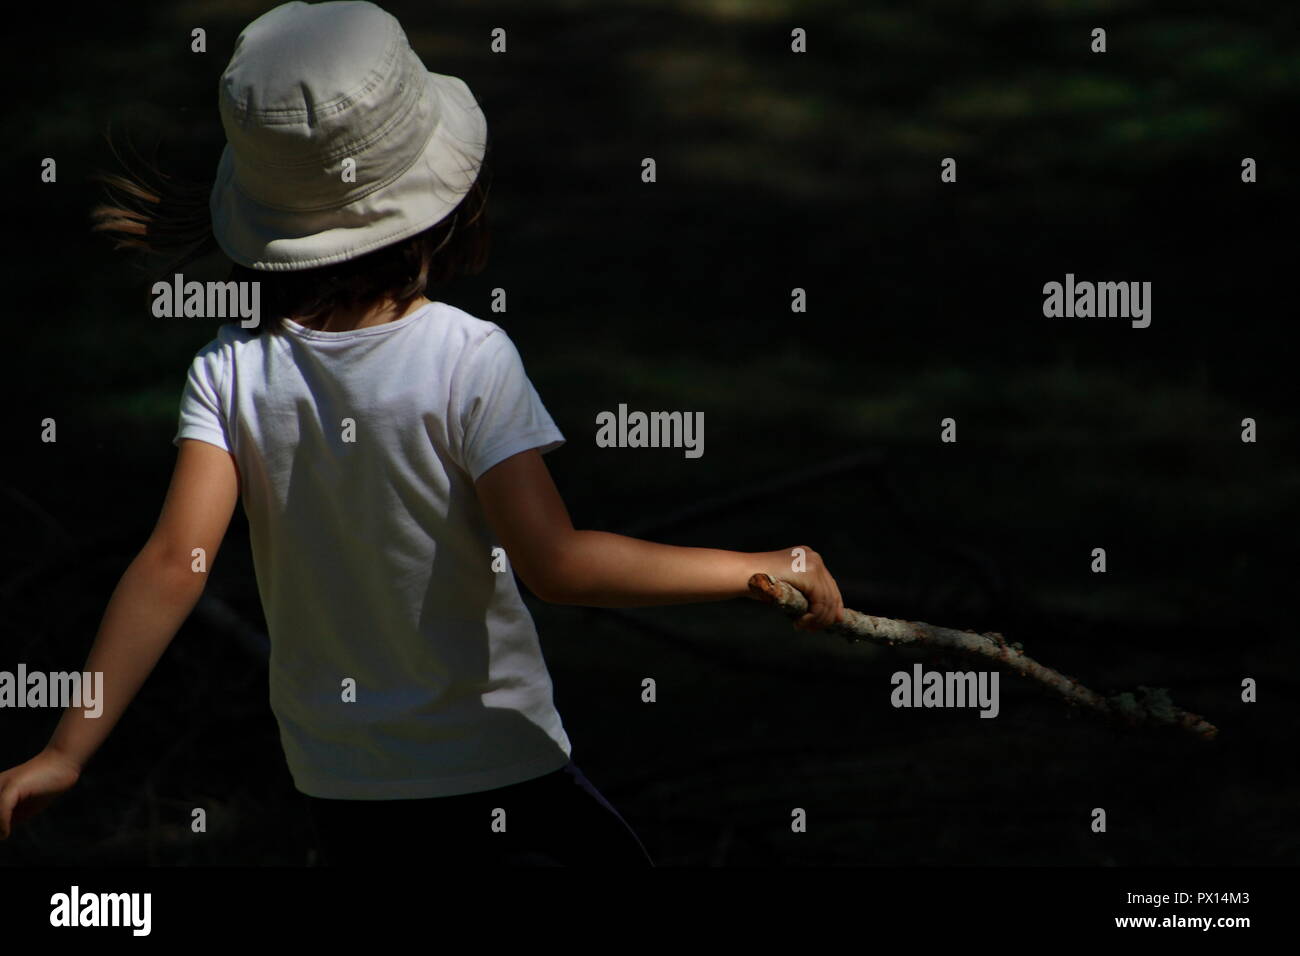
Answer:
(498, 411)
(203, 413)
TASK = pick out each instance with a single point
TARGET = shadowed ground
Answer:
(775, 171)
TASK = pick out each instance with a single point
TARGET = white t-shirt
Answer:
(357, 453)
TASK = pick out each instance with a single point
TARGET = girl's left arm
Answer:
(156, 593)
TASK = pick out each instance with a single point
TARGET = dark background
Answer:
(775, 171)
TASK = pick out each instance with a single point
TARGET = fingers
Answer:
(834, 603)
(825, 608)
(825, 605)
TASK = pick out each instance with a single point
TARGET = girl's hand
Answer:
(27, 789)
(825, 606)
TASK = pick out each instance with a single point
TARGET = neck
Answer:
(347, 320)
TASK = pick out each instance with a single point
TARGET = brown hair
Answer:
(164, 216)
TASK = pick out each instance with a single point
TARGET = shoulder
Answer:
(233, 336)
(233, 341)
(224, 348)
(229, 338)
(470, 349)
(457, 328)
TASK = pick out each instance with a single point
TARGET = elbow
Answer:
(550, 578)
(549, 588)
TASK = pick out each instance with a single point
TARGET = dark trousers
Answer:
(559, 819)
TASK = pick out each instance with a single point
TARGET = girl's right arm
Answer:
(562, 565)
(150, 603)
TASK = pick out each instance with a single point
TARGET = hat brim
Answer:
(264, 237)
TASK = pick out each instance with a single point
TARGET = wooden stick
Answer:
(1153, 709)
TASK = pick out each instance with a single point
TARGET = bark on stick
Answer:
(1150, 707)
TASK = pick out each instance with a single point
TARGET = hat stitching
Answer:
(353, 197)
(338, 104)
(355, 145)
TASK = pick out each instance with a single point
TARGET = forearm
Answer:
(602, 569)
(148, 606)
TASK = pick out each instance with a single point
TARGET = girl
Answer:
(385, 446)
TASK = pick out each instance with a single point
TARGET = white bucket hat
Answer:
(310, 86)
